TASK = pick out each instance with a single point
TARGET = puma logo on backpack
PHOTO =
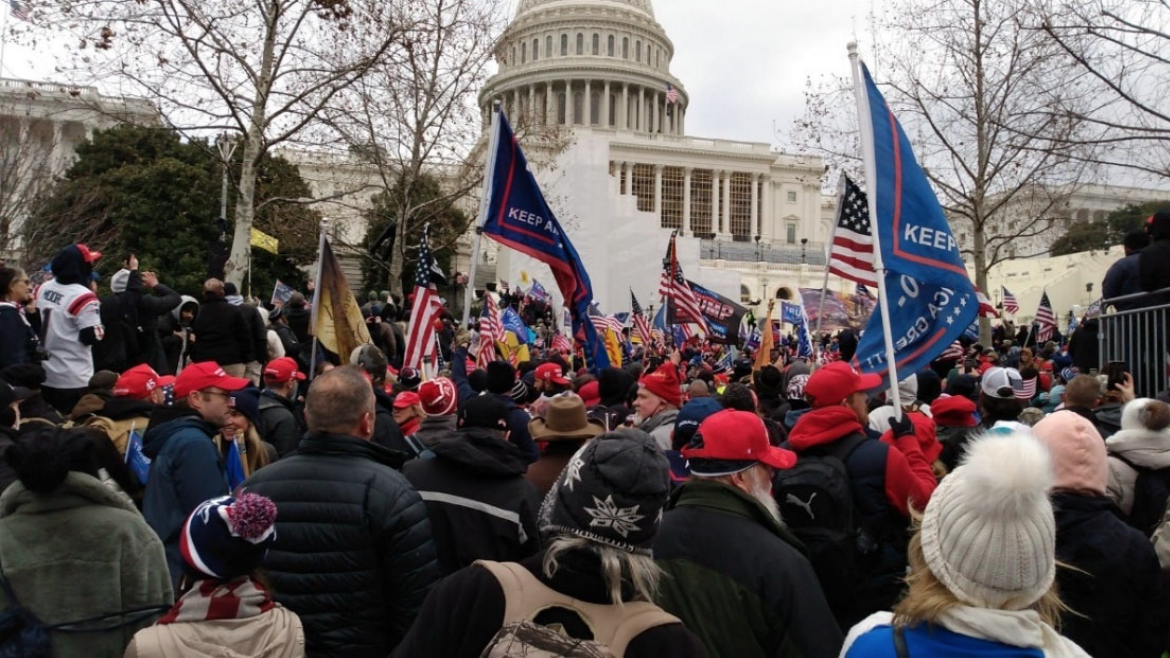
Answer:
(525, 597)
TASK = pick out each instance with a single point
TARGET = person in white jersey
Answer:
(71, 323)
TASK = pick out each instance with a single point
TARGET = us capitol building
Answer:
(753, 219)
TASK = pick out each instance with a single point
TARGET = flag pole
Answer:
(867, 156)
(317, 296)
(829, 256)
(485, 197)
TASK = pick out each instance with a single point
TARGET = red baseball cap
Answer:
(551, 372)
(837, 381)
(729, 441)
(406, 399)
(137, 382)
(166, 380)
(281, 370)
(438, 397)
(89, 255)
(200, 376)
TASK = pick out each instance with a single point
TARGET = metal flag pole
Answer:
(828, 257)
(485, 196)
(317, 296)
(867, 157)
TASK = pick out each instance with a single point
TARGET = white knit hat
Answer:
(988, 533)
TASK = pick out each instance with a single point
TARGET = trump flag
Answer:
(519, 217)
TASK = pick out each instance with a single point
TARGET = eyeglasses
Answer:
(208, 393)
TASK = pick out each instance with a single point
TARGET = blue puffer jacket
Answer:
(184, 471)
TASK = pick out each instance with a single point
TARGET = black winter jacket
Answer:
(738, 579)
(280, 423)
(257, 333)
(18, 338)
(466, 610)
(517, 417)
(1119, 592)
(386, 431)
(1154, 271)
(353, 556)
(150, 309)
(479, 504)
(221, 334)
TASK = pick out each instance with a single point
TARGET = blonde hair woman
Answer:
(982, 564)
(255, 452)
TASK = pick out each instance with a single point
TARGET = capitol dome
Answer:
(600, 63)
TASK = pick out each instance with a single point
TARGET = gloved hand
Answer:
(902, 427)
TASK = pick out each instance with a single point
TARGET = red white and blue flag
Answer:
(674, 290)
(671, 94)
(420, 337)
(986, 308)
(641, 325)
(851, 254)
(1045, 320)
(1010, 305)
(490, 330)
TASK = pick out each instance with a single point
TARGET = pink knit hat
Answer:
(1079, 459)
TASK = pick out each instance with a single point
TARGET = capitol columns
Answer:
(656, 118)
(715, 227)
(754, 225)
(532, 114)
(726, 202)
(640, 123)
(658, 191)
(686, 223)
(550, 105)
(569, 103)
(588, 104)
(624, 114)
(766, 215)
(605, 109)
(627, 182)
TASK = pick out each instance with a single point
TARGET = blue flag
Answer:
(138, 462)
(519, 217)
(931, 298)
(804, 346)
(660, 318)
(233, 468)
(791, 313)
(538, 292)
(512, 322)
(281, 293)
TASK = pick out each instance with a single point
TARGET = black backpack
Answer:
(1150, 492)
(816, 503)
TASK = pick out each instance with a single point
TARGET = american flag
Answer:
(671, 94)
(952, 353)
(863, 292)
(1046, 319)
(560, 343)
(490, 330)
(1010, 305)
(640, 323)
(420, 339)
(19, 9)
(851, 256)
(986, 308)
(1028, 390)
(602, 321)
(674, 287)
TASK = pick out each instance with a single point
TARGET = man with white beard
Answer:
(735, 575)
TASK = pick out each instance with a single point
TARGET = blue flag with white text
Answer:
(791, 313)
(518, 216)
(931, 298)
(512, 322)
(136, 460)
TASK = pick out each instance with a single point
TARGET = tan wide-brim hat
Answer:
(565, 420)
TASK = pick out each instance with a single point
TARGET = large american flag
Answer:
(561, 343)
(641, 325)
(1046, 319)
(1010, 305)
(674, 287)
(671, 94)
(851, 256)
(420, 338)
(953, 352)
(490, 330)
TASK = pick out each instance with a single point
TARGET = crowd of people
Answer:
(177, 482)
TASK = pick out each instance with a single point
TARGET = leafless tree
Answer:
(261, 69)
(1123, 48)
(977, 89)
(27, 171)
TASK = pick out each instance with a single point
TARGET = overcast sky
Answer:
(744, 62)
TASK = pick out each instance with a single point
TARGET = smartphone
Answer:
(1115, 371)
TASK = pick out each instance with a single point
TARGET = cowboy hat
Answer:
(565, 420)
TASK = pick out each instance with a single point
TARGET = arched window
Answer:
(609, 49)
(564, 45)
(783, 293)
(548, 49)
(580, 44)
(625, 47)
(524, 52)
(596, 44)
(745, 295)
(535, 49)
(638, 51)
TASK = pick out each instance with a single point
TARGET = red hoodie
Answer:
(908, 477)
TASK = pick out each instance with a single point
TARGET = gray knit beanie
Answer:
(613, 491)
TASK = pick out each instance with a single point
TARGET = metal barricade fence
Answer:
(1137, 334)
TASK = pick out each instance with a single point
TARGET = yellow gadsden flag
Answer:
(340, 326)
(262, 240)
(764, 355)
